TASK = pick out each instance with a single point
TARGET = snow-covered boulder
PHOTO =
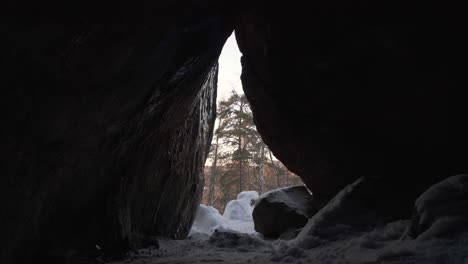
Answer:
(241, 209)
(442, 210)
(284, 209)
(237, 217)
(207, 220)
(360, 206)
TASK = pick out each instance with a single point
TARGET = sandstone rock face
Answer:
(341, 90)
(282, 209)
(108, 114)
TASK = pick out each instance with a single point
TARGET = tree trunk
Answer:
(278, 183)
(241, 178)
(241, 183)
(261, 181)
(213, 174)
(248, 177)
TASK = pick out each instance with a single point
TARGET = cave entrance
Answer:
(239, 160)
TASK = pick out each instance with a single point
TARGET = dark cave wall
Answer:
(343, 89)
(107, 119)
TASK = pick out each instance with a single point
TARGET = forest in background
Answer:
(238, 159)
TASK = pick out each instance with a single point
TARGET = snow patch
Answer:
(241, 209)
(237, 217)
(207, 221)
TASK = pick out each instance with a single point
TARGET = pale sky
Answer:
(229, 74)
(229, 69)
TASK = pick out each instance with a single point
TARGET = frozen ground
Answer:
(378, 246)
(230, 239)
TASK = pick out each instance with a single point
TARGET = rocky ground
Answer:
(346, 230)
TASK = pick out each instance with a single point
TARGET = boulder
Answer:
(341, 90)
(361, 206)
(283, 210)
(441, 211)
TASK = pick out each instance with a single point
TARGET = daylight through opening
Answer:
(240, 167)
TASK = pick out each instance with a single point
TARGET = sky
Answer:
(229, 73)
(229, 69)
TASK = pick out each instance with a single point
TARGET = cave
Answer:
(108, 113)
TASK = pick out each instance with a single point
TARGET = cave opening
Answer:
(239, 172)
(240, 167)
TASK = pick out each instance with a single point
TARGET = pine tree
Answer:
(240, 160)
(238, 132)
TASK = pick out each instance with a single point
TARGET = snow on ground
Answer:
(237, 217)
(207, 221)
(442, 209)
(229, 239)
(379, 246)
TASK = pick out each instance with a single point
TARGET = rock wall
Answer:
(345, 89)
(107, 112)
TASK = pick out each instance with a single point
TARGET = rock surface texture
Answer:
(107, 118)
(341, 90)
(282, 209)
